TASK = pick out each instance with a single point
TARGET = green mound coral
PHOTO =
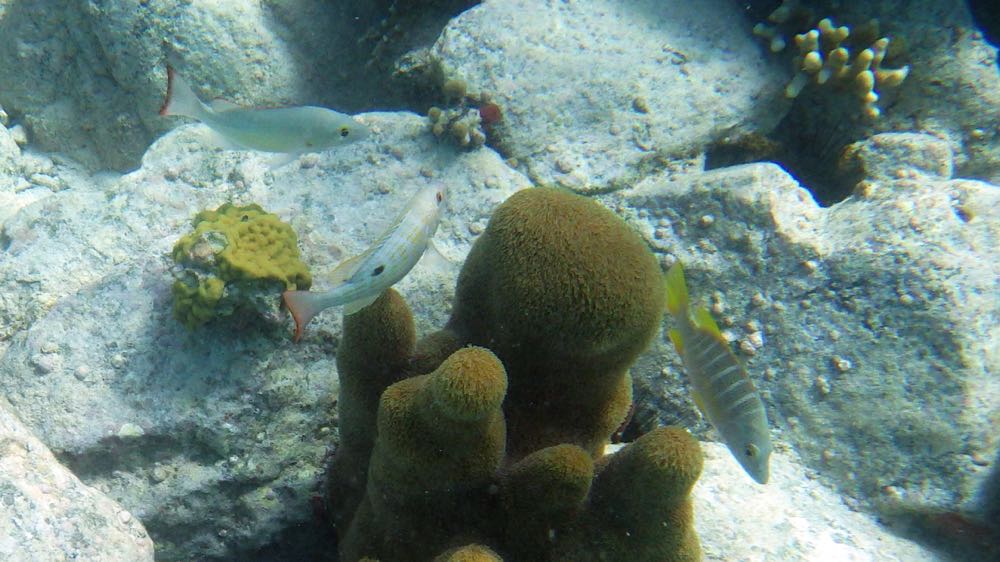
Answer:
(235, 257)
(487, 431)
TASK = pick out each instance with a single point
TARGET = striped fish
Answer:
(719, 384)
(360, 280)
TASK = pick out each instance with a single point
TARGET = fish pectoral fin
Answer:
(355, 306)
(219, 105)
(435, 260)
(703, 319)
(217, 139)
(281, 159)
(345, 270)
(675, 338)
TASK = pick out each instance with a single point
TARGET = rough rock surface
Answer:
(596, 92)
(47, 514)
(793, 518)
(214, 439)
(869, 326)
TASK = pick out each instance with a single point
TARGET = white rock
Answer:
(46, 513)
(568, 74)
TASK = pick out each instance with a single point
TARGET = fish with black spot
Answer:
(358, 281)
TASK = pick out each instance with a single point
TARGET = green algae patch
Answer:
(235, 258)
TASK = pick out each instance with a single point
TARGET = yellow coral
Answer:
(233, 245)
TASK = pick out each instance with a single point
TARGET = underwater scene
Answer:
(509, 280)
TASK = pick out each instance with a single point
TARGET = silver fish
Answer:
(289, 130)
(360, 280)
(720, 385)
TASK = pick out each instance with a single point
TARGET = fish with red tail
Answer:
(358, 281)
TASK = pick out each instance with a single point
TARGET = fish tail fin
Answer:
(180, 98)
(303, 305)
(677, 293)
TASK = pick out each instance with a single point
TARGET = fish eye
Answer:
(378, 270)
(344, 131)
(439, 196)
(751, 450)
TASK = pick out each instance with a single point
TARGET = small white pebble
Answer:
(49, 347)
(130, 430)
(718, 308)
(828, 455)
(706, 220)
(159, 473)
(756, 339)
(307, 161)
(660, 233)
(758, 300)
(810, 265)
(906, 299)
(842, 364)
(118, 361)
(170, 174)
(752, 326)
(893, 492)
(124, 517)
(81, 373)
(747, 347)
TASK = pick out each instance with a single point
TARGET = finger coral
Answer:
(235, 258)
(496, 447)
(838, 55)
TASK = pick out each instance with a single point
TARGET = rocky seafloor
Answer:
(870, 322)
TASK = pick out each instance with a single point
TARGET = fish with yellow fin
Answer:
(719, 383)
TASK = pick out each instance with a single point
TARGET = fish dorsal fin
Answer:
(355, 306)
(675, 338)
(219, 105)
(345, 270)
(703, 320)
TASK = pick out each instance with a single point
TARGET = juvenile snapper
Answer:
(360, 280)
(288, 130)
(720, 386)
